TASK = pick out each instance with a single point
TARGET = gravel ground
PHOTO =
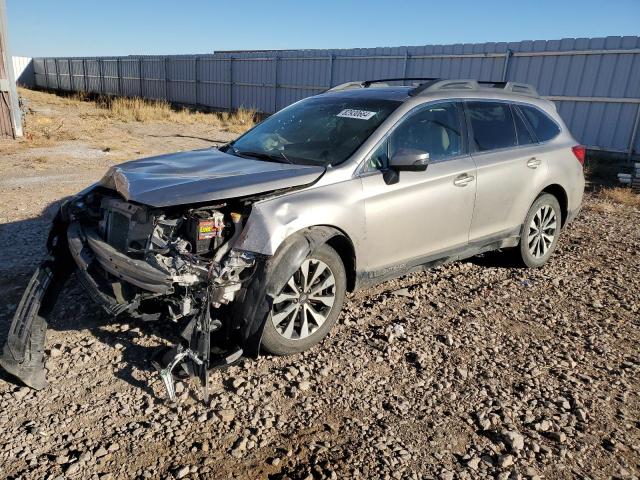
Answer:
(471, 370)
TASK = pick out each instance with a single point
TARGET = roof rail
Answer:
(512, 87)
(344, 86)
(430, 85)
(521, 88)
(369, 83)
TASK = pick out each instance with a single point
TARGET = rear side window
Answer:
(492, 125)
(544, 128)
(524, 136)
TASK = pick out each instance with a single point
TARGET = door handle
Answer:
(463, 180)
(533, 162)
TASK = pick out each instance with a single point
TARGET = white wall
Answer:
(23, 71)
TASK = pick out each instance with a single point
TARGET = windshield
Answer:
(316, 131)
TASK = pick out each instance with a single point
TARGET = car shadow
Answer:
(495, 259)
(23, 246)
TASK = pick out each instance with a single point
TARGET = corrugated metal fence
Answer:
(595, 82)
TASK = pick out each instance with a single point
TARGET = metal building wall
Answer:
(23, 71)
(595, 82)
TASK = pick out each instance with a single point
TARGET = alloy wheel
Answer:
(305, 301)
(542, 231)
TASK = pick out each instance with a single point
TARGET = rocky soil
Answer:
(477, 369)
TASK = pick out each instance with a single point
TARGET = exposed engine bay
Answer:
(171, 264)
(159, 263)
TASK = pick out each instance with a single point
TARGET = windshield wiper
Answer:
(261, 156)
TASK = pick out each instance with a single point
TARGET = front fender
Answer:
(250, 315)
(274, 220)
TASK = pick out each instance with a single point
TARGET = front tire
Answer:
(540, 231)
(307, 305)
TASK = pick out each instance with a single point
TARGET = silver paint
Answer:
(425, 212)
(202, 176)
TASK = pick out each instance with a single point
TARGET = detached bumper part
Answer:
(23, 353)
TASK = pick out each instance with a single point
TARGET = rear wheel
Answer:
(308, 304)
(540, 231)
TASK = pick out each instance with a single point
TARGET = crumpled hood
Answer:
(202, 176)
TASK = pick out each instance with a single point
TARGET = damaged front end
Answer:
(175, 264)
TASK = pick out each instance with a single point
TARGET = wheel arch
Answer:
(250, 314)
(559, 192)
(343, 245)
(340, 241)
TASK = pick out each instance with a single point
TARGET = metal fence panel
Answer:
(76, 70)
(130, 77)
(64, 75)
(93, 78)
(154, 75)
(110, 75)
(595, 82)
(214, 82)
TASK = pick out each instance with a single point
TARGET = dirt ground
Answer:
(477, 369)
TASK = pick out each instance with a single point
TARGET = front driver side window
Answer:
(435, 129)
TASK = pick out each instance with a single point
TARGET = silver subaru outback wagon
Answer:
(254, 245)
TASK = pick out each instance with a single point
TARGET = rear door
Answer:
(508, 168)
(424, 213)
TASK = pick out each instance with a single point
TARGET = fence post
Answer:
(84, 74)
(166, 79)
(55, 61)
(634, 133)
(46, 75)
(331, 70)
(195, 63)
(404, 65)
(230, 83)
(140, 77)
(118, 74)
(101, 76)
(505, 66)
(275, 84)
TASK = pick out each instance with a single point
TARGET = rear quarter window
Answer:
(544, 128)
(492, 125)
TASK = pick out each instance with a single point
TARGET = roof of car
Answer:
(380, 89)
(399, 93)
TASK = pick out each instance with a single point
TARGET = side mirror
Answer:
(409, 159)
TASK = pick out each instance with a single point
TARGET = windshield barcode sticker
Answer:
(359, 114)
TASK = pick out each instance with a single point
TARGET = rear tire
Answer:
(540, 231)
(308, 304)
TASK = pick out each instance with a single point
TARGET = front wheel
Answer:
(540, 231)
(308, 304)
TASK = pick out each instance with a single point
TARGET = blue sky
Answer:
(118, 27)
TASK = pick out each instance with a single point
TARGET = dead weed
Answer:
(625, 196)
(609, 200)
(136, 109)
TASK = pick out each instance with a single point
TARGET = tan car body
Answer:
(426, 218)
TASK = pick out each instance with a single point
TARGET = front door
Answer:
(426, 213)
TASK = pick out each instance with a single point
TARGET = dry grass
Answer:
(100, 121)
(41, 131)
(609, 200)
(127, 109)
(140, 110)
(625, 196)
